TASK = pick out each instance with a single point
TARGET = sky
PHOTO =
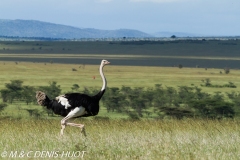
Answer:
(202, 17)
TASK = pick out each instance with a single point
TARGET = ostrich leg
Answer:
(78, 111)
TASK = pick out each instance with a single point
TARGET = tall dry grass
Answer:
(125, 139)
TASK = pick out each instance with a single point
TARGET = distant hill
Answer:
(32, 28)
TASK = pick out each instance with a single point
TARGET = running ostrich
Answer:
(74, 105)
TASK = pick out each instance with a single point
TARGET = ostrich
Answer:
(73, 105)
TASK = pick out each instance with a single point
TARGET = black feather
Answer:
(63, 105)
(90, 103)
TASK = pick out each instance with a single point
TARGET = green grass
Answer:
(40, 74)
(118, 137)
(125, 139)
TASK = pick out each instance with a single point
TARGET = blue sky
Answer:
(204, 17)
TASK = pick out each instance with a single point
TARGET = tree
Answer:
(16, 91)
(227, 70)
(159, 97)
(180, 66)
(2, 106)
(5, 94)
(177, 112)
(138, 100)
(75, 87)
(28, 94)
(235, 98)
(33, 113)
(185, 94)
(213, 107)
(13, 91)
(114, 100)
(53, 90)
(207, 82)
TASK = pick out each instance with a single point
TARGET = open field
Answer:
(25, 137)
(121, 139)
(189, 53)
(40, 74)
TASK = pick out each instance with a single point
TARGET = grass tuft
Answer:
(126, 139)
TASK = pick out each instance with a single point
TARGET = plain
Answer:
(121, 139)
(116, 137)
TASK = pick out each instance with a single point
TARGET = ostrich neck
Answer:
(103, 78)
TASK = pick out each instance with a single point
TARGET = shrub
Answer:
(2, 106)
(180, 66)
(227, 70)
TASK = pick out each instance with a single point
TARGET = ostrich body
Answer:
(73, 105)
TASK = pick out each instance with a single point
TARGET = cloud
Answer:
(157, 1)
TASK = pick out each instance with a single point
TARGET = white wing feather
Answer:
(64, 101)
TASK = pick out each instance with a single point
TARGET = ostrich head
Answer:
(104, 62)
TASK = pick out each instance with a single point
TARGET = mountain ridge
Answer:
(34, 28)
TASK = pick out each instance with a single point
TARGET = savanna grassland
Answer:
(121, 139)
(117, 137)
(41, 74)
(189, 53)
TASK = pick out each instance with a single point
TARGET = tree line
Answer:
(138, 102)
